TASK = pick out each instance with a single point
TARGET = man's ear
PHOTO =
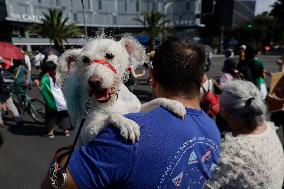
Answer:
(135, 50)
(153, 81)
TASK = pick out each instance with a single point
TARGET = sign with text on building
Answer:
(181, 22)
(25, 17)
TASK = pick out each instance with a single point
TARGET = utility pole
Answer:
(166, 6)
(222, 39)
(84, 17)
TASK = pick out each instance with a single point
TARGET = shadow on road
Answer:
(29, 128)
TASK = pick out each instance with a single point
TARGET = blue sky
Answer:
(263, 5)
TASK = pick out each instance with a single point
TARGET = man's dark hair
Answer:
(250, 52)
(48, 66)
(178, 66)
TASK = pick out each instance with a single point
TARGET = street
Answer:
(26, 154)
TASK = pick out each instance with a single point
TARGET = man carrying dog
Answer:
(171, 152)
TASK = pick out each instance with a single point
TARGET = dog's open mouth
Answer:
(101, 94)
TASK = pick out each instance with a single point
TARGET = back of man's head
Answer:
(178, 66)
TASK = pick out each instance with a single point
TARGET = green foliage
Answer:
(56, 28)
(215, 43)
(262, 30)
(278, 12)
(154, 23)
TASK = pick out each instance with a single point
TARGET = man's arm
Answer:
(105, 161)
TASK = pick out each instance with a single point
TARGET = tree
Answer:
(56, 28)
(278, 11)
(262, 30)
(154, 23)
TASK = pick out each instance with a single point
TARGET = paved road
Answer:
(25, 155)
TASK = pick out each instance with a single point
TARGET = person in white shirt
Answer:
(27, 62)
(52, 57)
(38, 59)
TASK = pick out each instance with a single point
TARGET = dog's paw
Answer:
(128, 129)
(174, 106)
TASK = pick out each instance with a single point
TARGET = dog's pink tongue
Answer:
(103, 95)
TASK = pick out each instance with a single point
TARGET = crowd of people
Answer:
(17, 79)
(224, 141)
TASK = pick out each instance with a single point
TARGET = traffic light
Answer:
(250, 26)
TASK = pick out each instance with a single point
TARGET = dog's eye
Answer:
(86, 60)
(71, 59)
(109, 56)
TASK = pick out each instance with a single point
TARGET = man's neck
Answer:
(191, 100)
(193, 103)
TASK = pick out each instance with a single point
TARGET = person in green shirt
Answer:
(56, 109)
(21, 80)
(253, 70)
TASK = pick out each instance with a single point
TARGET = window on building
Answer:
(57, 2)
(125, 5)
(187, 5)
(114, 19)
(71, 2)
(16, 32)
(89, 4)
(100, 6)
(137, 6)
(75, 18)
(26, 9)
(153, 6)
(39, 1)
(22, 32)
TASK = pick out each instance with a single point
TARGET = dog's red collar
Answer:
(106, 63)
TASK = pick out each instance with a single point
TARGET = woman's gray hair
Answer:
(242, 102)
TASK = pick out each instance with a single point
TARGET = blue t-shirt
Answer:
(171, 153)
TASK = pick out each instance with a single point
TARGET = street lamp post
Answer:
(84, 17)
(166, 6)
(222, 39)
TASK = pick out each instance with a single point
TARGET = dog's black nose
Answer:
(95, 83)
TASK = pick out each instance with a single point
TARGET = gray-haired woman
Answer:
(252, 155)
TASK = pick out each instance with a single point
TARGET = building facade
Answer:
(227, 13)
(243, 11)
(220, 16)
(116, 15)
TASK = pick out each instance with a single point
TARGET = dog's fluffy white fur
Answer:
(76, 87)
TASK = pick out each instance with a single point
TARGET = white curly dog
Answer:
(96, 73)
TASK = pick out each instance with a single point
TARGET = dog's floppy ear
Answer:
(65, 63)
(73, 95)
(135, 50)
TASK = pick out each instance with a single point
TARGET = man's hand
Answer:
(70, 184)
